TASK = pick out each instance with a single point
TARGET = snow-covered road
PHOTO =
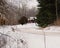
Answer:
(32, 36)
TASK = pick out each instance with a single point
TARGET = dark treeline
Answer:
(47, 12)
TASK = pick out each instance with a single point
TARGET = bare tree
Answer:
(9, 11)
(12, 13)
(25, 11)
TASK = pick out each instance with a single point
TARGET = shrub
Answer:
(3, 19)
(23, 20)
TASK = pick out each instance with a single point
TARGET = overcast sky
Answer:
(29, 3)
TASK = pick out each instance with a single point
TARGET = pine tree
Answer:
(58, 6)
(47, 12)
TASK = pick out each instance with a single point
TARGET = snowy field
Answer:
(31, 36)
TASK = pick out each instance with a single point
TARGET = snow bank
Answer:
(17, 33)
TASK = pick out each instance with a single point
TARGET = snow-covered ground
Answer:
(31, 36)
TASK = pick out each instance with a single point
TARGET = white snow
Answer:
(32, 36)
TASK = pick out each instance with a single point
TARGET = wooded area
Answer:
(49, 12)
(12, 13)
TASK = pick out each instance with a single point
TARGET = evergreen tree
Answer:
(47, 12)
(58, 6)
